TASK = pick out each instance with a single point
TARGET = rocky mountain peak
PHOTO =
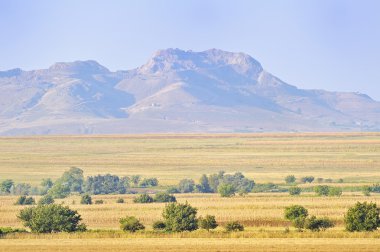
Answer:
(82, 67)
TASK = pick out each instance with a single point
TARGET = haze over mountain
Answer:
(175, 91)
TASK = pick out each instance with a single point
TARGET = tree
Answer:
(106, 184)
(23, 200)
(186, 186)
(180, 217)
(172, 189)
(70, 181)
(307, 179)
(149, 182)
(6, 185)
(204, 185)
(234, 226)
(335, 191)
(143, 198)
(46, 184)
(295, 211)
(316, 224)
(21, 189)
(86, 199)
(208, 222)
(295, 190)
(46, 200)
(362, 217)
(290, 179)
(322, 190)
(226, 190)
(164, 197)
(159, 225)
(135, 179)
(51, 218)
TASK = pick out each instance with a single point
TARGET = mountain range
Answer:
(175, 91)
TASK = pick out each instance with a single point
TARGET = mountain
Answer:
(175, 91)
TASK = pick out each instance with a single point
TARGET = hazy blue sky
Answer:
(329, 44)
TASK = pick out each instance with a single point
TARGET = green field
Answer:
(354, 157)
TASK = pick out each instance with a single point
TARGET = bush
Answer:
(143, 198)
(307, 179)
(172, 189)
(86, 200)
(207, 222)
(321, 190)
(362, 217)
(164, 197)
(335, 191)
(99, 202)
(51, 218)
(149, 182)
(180, 217)
(131, 224)
(6, 186)
(295, 191)
(23, 200)
(316, 224)
(234, 226)
(295, 211)
(226, 190)
(120, 200)
(290, 179)
(366, 190)
(159, 225)
(46, 200)
(186, 186)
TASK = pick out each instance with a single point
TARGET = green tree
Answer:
(234, 226)
(307, 179)
(186, 186)
(208, 222)
(143, 198)
(70, 181)
(290, 179)
(86, 199)
(322, 190)
(135, 179)
(51, 218)
(6, 185)
(226, 190)
(159, 225)
(46, 200)
(204, 185)
(317, 224)
(23, 200)
(295, 211)
(335, 191)
(149, 182)
(164, 197)
(362, 217)
(295, 190)
(180, 217)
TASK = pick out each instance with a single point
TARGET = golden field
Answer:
(355, 157)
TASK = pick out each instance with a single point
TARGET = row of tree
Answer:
(179, 217)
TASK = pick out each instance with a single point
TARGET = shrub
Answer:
(321, 190)
(23, 200)
(316, 224)
(295, 191)
(362, 217)
(6, 185)
(180, 217)
(149, 182)
(366, 190)
(307, 179)
(51, 218)
(164, 197)
(143, 198)
(295, 211)
(226, 190)
(234, 226)
(159, 225)
(86, 200)
(120, 200)
(131, 224)
(207, 222)
(172, 189)
(46, 200)
(186, 186)
(335, 191)
(99, 202)
(290, 179)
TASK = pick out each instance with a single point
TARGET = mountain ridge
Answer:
(174, 91)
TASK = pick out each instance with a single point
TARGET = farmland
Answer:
(354, 157)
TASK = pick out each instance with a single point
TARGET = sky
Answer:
(313, 44)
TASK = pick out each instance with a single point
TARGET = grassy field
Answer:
(263, 157)
(355, 157)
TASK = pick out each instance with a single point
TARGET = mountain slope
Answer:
(175, 91)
